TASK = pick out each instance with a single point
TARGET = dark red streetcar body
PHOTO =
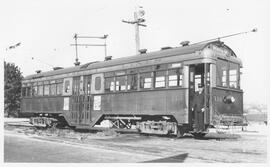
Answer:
(149, 93)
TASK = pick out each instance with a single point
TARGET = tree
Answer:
(12, 89)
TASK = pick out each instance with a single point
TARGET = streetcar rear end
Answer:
(219, 75)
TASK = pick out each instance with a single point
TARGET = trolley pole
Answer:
(96, 37)
(226, 36)
(138, 19)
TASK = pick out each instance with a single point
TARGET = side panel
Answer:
(42, 105)
(160, 102)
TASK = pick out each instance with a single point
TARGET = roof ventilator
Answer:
(185, 43)
(166, 47)
(57, 68)
(143, 51)
(107, 58)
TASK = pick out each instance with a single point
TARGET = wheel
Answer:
(198, 135)
(180, 132)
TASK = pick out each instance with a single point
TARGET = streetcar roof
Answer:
(183, 50)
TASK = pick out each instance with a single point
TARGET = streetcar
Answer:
(150, 93)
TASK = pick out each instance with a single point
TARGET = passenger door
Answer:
(76, 101)
(86, 100)
(199, 75)
(81, 98)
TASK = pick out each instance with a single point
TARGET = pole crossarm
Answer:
(88, 45)
(138, 21)
(97, 37)
(129, 22)
(142, 25)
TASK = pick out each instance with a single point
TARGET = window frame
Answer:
(97, 83)
(53, 87)
(142, 81)
(228, 75)
(24, 90)
(67, 86)
(87, 79)
(27, 90)
(76, 85)
(59, 87)
(115, 83)
(108, 86)
(46, 85)
(237, 75)
(220, 73)
(179, 77)
(40, 91)
(163, 81)
(34, 88)
(128, 87)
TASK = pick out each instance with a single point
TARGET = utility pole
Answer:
(76, 48)
(138, 19)
(96, 37)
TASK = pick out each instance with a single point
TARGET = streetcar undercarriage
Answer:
(144, 124)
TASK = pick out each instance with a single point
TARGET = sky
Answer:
(46, 28)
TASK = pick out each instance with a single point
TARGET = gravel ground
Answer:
(233, 147)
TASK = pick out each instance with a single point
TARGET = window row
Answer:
(46, 88)
(57, 87)
(146, 80)
(129, 81)
(76, 85)
(228, 74)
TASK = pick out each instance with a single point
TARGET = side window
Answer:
(97, 83)
(87, 84)
(120, 83)
(109, 84)
(132, 81)
(67, 86)
(34, 89)
(233, 75)
(175, 77)
(40, 89)
(224, 78)
(46, 88)
(222, 68)
(88, 87)
(146, 80)
(53, 88)
(160, 79)
(28, 91)
(76, 85)
(23, 91)
(59, 87)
